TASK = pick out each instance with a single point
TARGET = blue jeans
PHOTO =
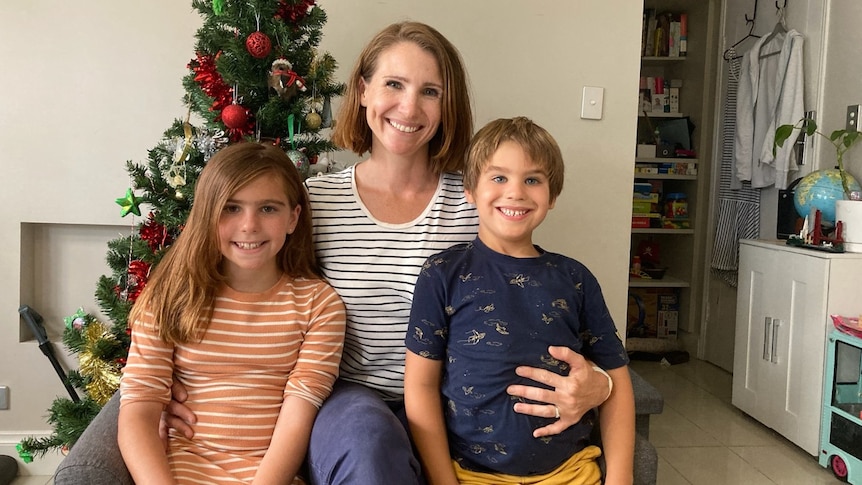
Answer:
(360, 439)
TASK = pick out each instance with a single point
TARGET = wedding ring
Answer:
(556, 412)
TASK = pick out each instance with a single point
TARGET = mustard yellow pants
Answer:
(580, 469)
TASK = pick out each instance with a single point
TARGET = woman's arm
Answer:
(425, 417)
(617, 421)
(289, 442)
(583, 389)
(142, 449)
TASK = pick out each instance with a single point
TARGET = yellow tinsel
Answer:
(104, 377)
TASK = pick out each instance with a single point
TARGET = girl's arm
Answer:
(425, 417)
(617, 421)
(142, 449)
(289, 442)
(310, 382)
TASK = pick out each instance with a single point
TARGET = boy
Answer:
(483, 308)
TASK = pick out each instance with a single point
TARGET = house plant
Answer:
(842, 140)
(847, 209)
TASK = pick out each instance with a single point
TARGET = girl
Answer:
(237, 313)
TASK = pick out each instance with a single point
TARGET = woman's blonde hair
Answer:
(182, 287)
(449, 145)
(536, 142)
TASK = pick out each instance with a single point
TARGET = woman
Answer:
(407, 103)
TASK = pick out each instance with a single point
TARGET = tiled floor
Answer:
(702, 438)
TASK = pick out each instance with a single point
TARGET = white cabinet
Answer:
(784, 300)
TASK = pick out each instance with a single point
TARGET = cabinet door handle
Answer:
(775, 324)
(767, 325)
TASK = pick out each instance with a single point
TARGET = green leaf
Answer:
(782, 134)
(837, 134)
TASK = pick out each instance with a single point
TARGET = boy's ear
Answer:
(552, 202)
(469, 196)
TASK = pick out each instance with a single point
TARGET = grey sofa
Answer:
(95, 459)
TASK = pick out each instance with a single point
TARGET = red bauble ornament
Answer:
(234, 116)
(258, 45)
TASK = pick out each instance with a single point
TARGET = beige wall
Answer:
(89, 85)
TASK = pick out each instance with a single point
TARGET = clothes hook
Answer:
(776, 5)
(754, 15)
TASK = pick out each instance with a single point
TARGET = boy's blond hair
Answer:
(536, 142)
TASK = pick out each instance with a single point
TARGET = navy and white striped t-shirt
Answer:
(373, 266)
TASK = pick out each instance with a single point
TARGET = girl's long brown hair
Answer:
(182, 287)
(449, 146)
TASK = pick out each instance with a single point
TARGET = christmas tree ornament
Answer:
(103, 376)
(129, 204)
(258, 45)
(326, 120)
(155, 234)
(234, 116)
(283, 80)
(289, 12)
(313, 120)
(218, 7)
(300, 161)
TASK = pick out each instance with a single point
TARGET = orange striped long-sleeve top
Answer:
(258, 349)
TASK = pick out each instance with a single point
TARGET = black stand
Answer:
(34, 321)
(8, 469)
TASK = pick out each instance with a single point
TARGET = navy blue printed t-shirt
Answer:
(484, 314)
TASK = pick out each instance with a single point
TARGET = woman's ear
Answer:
(362, 92)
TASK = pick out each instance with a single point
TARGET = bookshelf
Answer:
(679, 242)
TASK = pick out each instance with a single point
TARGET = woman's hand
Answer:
(177, 415)
(570, 397)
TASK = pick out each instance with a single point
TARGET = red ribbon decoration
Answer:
(293, 13)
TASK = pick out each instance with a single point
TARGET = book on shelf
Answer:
(681, 167)
(664, 34)
(683, 34)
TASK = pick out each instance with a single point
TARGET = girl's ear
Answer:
(291, 226)
(362, 92)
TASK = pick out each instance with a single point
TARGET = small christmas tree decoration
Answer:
(284, 81)
(234, 116)
(313, 120)
(129, 204)
(327, 114)
(300, 160)
(218, 7)
(258, 45)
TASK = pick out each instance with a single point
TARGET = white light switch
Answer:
(591, 105)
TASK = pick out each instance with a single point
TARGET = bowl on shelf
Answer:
(655, 273)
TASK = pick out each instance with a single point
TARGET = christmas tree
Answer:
(256, 75)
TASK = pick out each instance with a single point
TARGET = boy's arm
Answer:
(425, 417)
(289, 442)
(617, 421)
(142, 449)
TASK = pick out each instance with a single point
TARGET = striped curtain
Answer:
(738, 204)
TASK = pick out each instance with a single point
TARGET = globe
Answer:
(819, 190)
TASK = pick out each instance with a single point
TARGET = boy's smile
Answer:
(512, 197)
